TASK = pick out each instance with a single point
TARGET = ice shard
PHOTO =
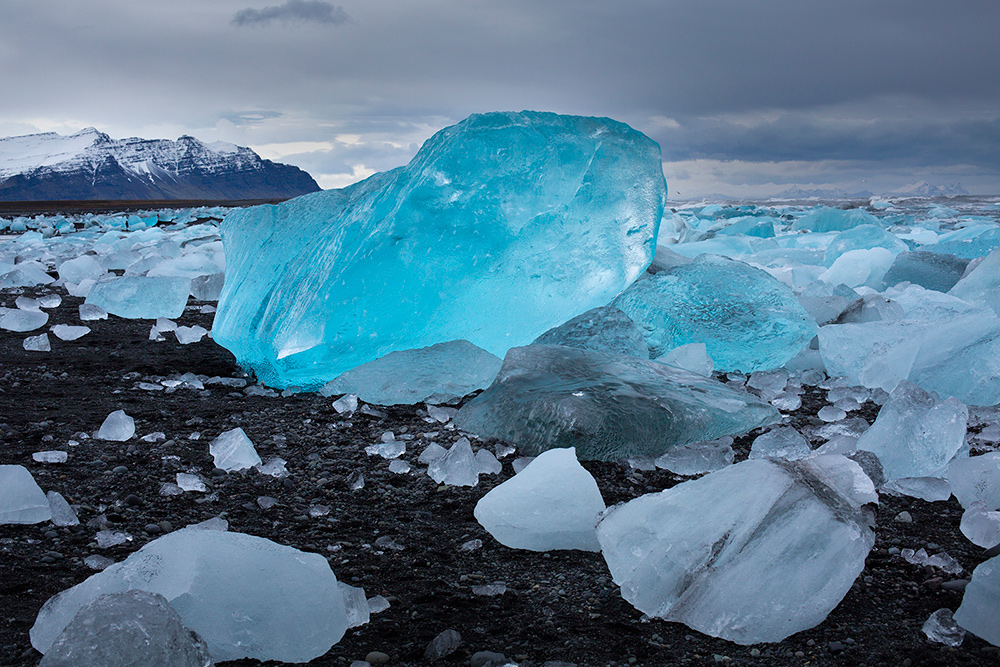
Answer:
(245, 595)
(438, 374)
(607, 406)
(233, 450)
(552, 504)
(501, 227)
(752, 553)
(747, 319)
(21, 500)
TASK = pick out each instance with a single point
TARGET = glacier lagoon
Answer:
(798, 258)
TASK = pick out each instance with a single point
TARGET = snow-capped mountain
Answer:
(92, 165)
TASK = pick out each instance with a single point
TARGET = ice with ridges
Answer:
(752, 553)
(455, 245)
(747, 319)
(552, 504)
(245, 595)
(607, 406)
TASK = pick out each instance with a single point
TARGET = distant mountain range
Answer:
(921, 189)
(91, 165)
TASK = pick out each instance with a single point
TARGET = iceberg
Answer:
(21, 500)
(127, 629)
(247, 596)
(501, 227)
(863, 237)
(607, 406)
(437, 374)
(752, 553)
(553, 503)
(827, 219)
(916, 434)
(747, 319)
(141, 297)
(605, 329)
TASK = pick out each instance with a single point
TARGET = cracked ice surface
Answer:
(455, 245)
(752, 553)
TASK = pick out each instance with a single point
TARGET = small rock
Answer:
(377, 658)
(836, 647)
(487, 659)
(903, 517)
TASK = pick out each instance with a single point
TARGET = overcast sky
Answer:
(743, 98)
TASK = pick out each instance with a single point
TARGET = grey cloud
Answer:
(304, 11)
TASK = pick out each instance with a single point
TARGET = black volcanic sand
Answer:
(558, 606)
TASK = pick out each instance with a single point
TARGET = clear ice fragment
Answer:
(141, 297)
(457, 467)
(605, 329)
(941, 628)
(21, 500)
(783, 442)
(698, 457)
(50, 457)
(692, 357)
(233, 450)
(976, 479)
(62, 513)
(275, 467)
(188, 335)
(67, 332)
(22, 320)
(189, 482)
(90, 312)
(117, 427)
(981, 525)
(37, 343)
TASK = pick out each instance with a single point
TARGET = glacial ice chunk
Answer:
(37, 343)
(62, 513)
(605, 329)
(827, 219)
(127, 629)
(783, 442)
(22, 320)
(90, 312)
(916, 434)
(940, 627)
(140, 297)
(21, 501)
(856, 268)
(552, 504)
(979, 612)
(752, 553)
(692, 357)
(982, 284)
(862, 237)
(189, 335)
(117, 427)
(607, 406)
(458, 244)
(81, 268)
(233, 450)
(437, 374)
(68, 332)
(976, 479)
(748, 320)
(698, 457)
(246, 596)
(930, 270)
(981, 525)
(457, 467)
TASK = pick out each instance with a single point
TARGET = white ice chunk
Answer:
(37, 343)
(941, 628)
(22, 320)
(355, 604)
(118, 427)
(50, 457)
(80, 269)
(67, 332)
(164, 325)
(980, 609)
(387, 450)
(139, 297)
(215, 581)
(189, 482)
(347, 403)
(188, 335)
(458, 467)
(90, 312)
(783, 442)
(488, 464)
(432, 453)
(916, 434)
(124, 630)
(976, 479)
(752, 553)
(233, 450)
(21, 501)
(552, 504)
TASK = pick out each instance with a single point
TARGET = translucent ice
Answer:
(245, 595)
(981, 284)
(941, 628)
(752, 553)
(21, 501)
(117, 426)
(607, 406)
(859, 267)
(748, 320)
(692, 357)
(698, 457)
(930, 270)
(37, 343)
(67, 332)
(862, 237)
(89, 312)
(62, 513)
(455, 245)
(552, 504)
(127, 629)
(979, 612)
(783, 442)
(438, 373)
(188, 335)
(976, 479)
(22, 320)
(189, 482)
(981, 525)
(827, 219)
(140, 297)
(606, 329)
(457, 467)
(916, 434)
(233, 450)
(81, 268)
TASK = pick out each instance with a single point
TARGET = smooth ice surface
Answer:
(827, 219)
(552, 504)
(979, 612)
(916, 434)
(747, 319)
(976, 479)
(930, 270)
(233, 450)
(21, 500)
(89, 312)
(68, 332)
(981, 284)
(188, 335)
(128, 629)
(752, 553)
(940, 627)
(22, 320)
(609, 407)
(862, 237)
(141, 297)
(438, 374)
(691, 357)
(117, 426)
(605, 329)
(245, 595)
(455, 245)
(783, 442)
(857, 268)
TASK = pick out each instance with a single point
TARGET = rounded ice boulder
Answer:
(246, 596)
(501, 227)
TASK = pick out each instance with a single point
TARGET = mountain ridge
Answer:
(91, 165)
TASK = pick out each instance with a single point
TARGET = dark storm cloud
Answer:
(306, 11)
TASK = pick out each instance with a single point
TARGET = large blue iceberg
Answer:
(501, 227)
